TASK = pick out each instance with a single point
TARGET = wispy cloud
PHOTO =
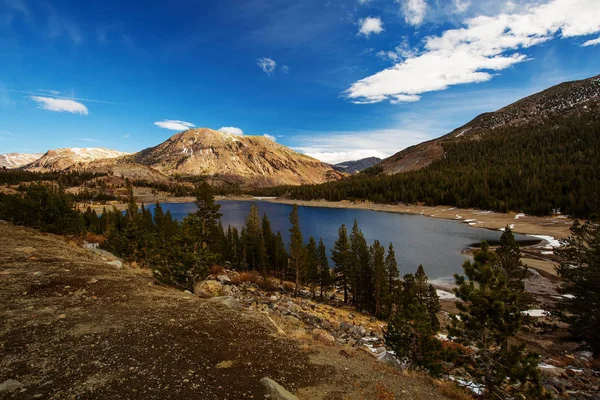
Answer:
(174, 124)
(591, 42)
(60, 105)
(267, 65)
(336, 147)
(125, 136)
(370, 25)
(232, 130)
(88, 139)
(52, 92)
(285, 69)
(414, 11)
(271, 137)
(467, 55)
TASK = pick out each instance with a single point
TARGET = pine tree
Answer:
(580, 270)
(340, 254)
(325, 277)
(489, 316)
(360, 271)
(269, 244)
(312, 266)
(296, 256)
(509, 260)
(379, 277)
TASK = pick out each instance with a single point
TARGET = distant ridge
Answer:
(352, 167)
(16, 160)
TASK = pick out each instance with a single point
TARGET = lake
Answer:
(435, 243)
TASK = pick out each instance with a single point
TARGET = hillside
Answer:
(569, 100)
(16, 160)
(352, 167)
(76, 326)
(226, 158)
(538, 155)
(62, 159)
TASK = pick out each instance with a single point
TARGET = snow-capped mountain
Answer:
(16, 160)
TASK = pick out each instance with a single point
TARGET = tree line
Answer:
(491, 293)
(532, 169)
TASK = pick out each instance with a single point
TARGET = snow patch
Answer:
(521, 215)
(536, 313)
(550, 239)
(444, 295)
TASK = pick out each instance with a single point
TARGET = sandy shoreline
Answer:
(557, 227)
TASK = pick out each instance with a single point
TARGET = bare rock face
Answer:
(61, 159)
(208, 289)
(566, 99)
(16, 160)
(275, 391)
(245, 160)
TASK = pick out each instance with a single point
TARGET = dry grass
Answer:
(216, 270)
(452, 391)
(246, 277)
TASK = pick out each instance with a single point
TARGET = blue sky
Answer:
(337, 79)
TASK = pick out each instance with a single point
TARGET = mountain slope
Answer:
(352, 167)
(61, 159)
(568, 99)
(538, 156)
(16, 160)
(226, 158)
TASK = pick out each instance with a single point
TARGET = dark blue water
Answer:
(435, 243)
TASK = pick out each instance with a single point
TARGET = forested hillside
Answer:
(532, 169)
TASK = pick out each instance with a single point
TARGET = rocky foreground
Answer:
(78, 324)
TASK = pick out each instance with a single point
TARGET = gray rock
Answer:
(228, 301)
(116, 263)
(275, 391)
(224, 279)
(10, 385)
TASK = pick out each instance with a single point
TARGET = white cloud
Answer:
(472, 53)
(125, 136)
(285, 69)
(592, 42)
(174, 125)
(370, 25)
(400, 52)
(60, 105)
(271, 137)
(460, 6)
(52, 92)
(414, 11)
(363, 2)
(232, 130)
(267, 65)
(336, 147)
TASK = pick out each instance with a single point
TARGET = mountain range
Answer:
(352, 167)
(222, 158)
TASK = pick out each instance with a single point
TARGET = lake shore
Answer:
(555, 226)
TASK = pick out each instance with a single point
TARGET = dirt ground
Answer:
(73, 326)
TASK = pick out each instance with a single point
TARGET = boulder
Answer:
(323, 336)
(116, 263)
(208, 289)
(10, 385)
(224, 279)
(275, 391)
(228, 301)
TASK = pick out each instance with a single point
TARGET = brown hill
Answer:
(16, 160)
(246, 160)
(62, 159)
(569, 98)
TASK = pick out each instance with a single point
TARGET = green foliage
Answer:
(64, 179)
(555, 165)
(296, 256)
(580, 270)
(44, 207)
(410, 334)
(490, 315)
(341, 258)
